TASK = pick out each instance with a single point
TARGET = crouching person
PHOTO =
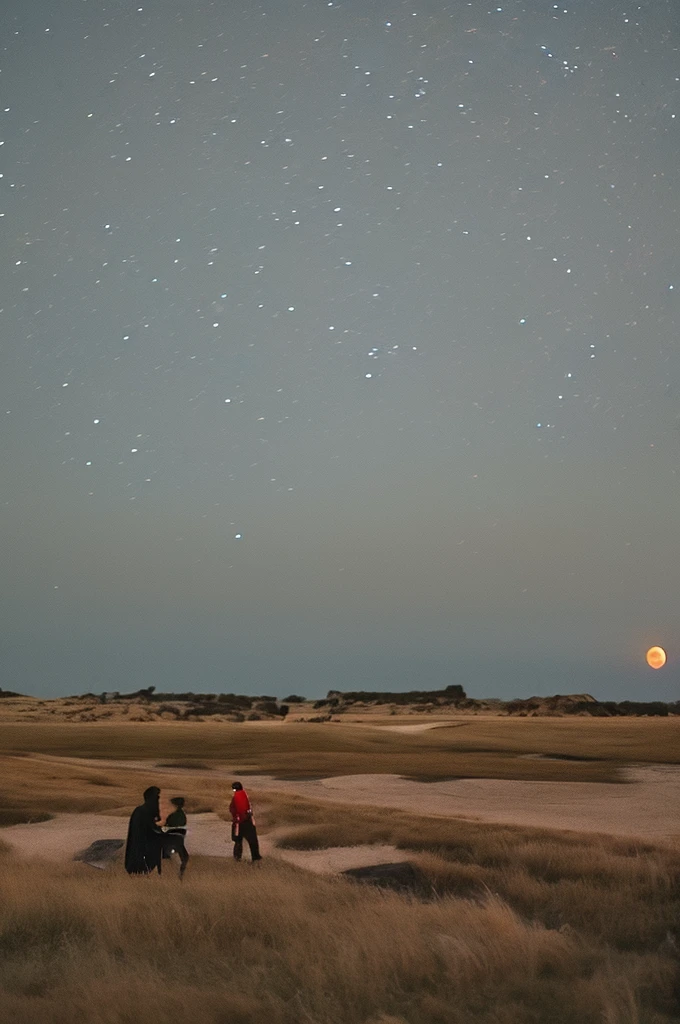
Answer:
(243, 824)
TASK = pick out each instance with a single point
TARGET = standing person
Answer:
(145, 839)
(175, 829)
(243, 824)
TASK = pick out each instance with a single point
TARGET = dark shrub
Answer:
(267, 707)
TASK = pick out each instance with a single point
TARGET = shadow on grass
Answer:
(198, 766)
(22, 816)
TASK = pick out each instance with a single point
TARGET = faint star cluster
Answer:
(254, 259)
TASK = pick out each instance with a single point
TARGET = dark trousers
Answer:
(245, 830)
(175, 844)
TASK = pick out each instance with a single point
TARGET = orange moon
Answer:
(656, 657)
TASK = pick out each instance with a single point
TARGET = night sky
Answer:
(339, 346)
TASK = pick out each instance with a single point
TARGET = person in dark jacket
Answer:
(145, 839)
(243, 824)
(175, 829)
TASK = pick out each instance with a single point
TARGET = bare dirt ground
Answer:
(648, 807)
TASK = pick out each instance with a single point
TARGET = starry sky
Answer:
(339, 345)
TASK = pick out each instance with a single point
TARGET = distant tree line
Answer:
(253, 707)
(201, 703)
(449, 695)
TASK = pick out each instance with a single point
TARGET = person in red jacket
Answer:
(243, 824)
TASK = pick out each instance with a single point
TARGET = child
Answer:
(175, 830)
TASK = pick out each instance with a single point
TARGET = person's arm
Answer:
(153, 825)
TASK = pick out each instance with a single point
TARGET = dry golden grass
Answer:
(471, 748)
(32, 789)
(517, 925)
(609, 739)
(233, 945)
(192, 765)
(621, 892)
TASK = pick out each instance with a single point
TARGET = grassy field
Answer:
(469, 747)
(511, 927)
(617, 891)
(32, 789)
(506, 925)
(607, 739)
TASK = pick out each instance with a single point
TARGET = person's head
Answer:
(178, 802)
(152, 797)
(236, 786)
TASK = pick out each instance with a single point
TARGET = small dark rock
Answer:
(401, 876)
(101, 853)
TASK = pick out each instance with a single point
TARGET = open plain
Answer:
(544, 856)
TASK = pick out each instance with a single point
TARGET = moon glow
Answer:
(656, 657)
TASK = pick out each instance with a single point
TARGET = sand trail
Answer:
(646, 807)
(67, 834)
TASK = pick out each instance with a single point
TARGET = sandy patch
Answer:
(62, 836)
(67, 834)
(342, 858)
(420, 727)
(647, 807)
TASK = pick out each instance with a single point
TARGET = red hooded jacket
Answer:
(240, 806)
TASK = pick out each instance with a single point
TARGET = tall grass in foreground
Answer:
(622, 892)
(237, 945)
